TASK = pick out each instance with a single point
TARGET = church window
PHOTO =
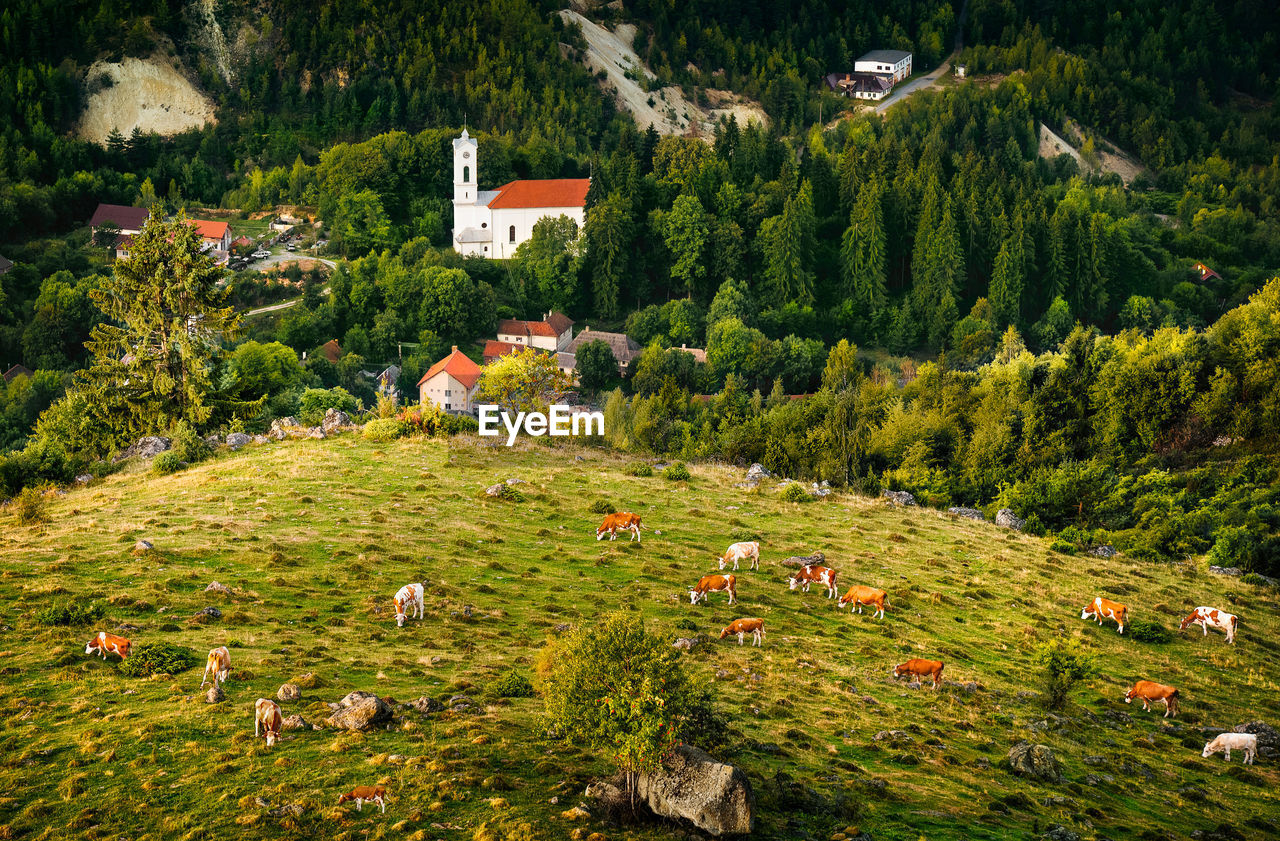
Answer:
(511, 234)
(466, 173)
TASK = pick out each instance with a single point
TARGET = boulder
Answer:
(295, 722)
(334, 420)
(148, 446)
(215, 587)
(820, 489)
(288, 692)
(898, 497)
(260, 439)
(316, 432)
(211, 612)
(215, 695)
(360, 711)
(425, 705)
(496, 490)
(798, 561)
(1234, 572)
(1058, 832)
(1036, 762)
(715, 797)
(756, 472)
(84, 479)
(213, 442)
(143, 546)
(970, 513)
(1005, 517)
(236, 440)
(282, 428)
(684, 644)
(1105, 550)
(1268, 737)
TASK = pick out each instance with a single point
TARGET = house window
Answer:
(447, 392)
(511, 234)
(466, 173)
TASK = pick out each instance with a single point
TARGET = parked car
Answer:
(261, 255)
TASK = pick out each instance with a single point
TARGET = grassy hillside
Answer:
(316, 536)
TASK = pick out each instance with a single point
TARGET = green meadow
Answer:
(314, 538)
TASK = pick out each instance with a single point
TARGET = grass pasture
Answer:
(314, 537)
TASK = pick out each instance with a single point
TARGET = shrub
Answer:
(168, 462)
(513, 685)
(508, 493)
(459, 425)
(187, 444)
(1065, 664)
(70, 613)
(1064, 547)
(158, 658)
(383, 430)
(638, 468)
(1255, 579)
(677, 472)
(423, 422)
(795, 492)
(316, 401)
(31, 506)
(602, 506)
(1150, 632)
(687, 625)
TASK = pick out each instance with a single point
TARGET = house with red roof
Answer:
(493, 223)
(553, 332)
(451, 384)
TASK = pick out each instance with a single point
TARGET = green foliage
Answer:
(595, 365)
(31, 506)
(1152, 632)
(526, 381)
(1256, 580)
(602, 506)
(513, 684)
(158, 658)
(639, 469)
(382, 430)
(316, 401)
(187, 444)
(677, 472)
(1065, 664)
(506, 493)
(167, 462)
(425, 422)
(795, 492)
(70, 613)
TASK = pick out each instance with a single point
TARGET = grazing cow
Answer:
(1149, 692)
(622, 520)
(1101, 608)
(1211, 617)
(859, 596)
(219, 665)
(709, 584)
(1226, 742)
(365, 794)
(742, 627)
(919, 669)
(811, 574)
(410, 597)
(104, 643)
(266, 713)
(740, 552)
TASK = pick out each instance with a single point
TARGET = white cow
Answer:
(741, 552)
(1211, 617)
(410, 597)
(1225, 742)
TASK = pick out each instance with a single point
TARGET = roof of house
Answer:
(494, 349)
(17, 371)
(122, 216)
(457, 365)
(1205, 272)
(242, 240)
(698, 354)
(123, 241)
(558, 321)
(208, 229)
(551, 192)
(623, 346)
(871, 82)
(887, 56)
(332, 350)
(5, 264)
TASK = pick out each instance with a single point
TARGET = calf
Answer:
(1226, 742)
(1101, 608)
(104, 643)
(365, 794)
(410, 596)
(742, 627)
(1149, 692)
(919, 669)
(741, 552)
(859, 596)
(219, 665)
(1211, 617)
(811, 574)
(266, 713)
(709, 584)
(622, 520)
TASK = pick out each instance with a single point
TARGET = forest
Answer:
(993, 309)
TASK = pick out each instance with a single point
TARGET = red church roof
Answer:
(457, 365)
(552, 192)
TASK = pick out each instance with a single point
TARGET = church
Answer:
(493, 223)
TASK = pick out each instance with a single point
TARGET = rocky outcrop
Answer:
(425, 705)
(295, 722)
(798, 561)
(282, 428)
(360, 711)
(215, 695)
(334, 420)
(288, 692)
(715, 797)
(898, 497)
(216, 587)
(210, 612)
(1005, 517)
(1105, 550)
(1036, 762)
(84, 479)
(970, 513)
(148, 446)
(684, 644)
(236, 440)
(1268, 737)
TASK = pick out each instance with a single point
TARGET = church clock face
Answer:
(466, 154)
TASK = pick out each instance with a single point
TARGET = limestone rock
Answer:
(1106, 550)
(715, 797)
(143, 546)
(1005, 517)
(898, 497)
(211, 612)
(316, 432)
(1035, 761)
(334, 420)
(425, 705)
(84, 479)
(798, 561)
(295, 722)
(1268, 737)
(495, 490)
(236, 440)
(288, 692)
(215, 695)
(684, 644)
(148, 446)
(970, 513)
(360, 711)
(215, 587)
(757, 471)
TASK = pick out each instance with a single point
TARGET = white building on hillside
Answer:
(896, 63)
(493, 223)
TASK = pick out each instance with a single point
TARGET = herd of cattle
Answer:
(409, 603)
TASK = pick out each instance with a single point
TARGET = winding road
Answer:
(929, 79)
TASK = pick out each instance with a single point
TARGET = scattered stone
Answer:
(684, 644)
(425, 705)
(360, 711)
(295, 722)
(757, 472)
(215, 587)
(820, 489)
(213, 441)
(148, 446)
(898, 497)
(894, 736)
(495, 490)
(316, 432)
(1058, 832)
(143, 546)
(236, 440)
(804, 560)
(1095, 760)
(514, 481)
(1268, 737)
(1104, 550)
(334, 421)
(84, 478)
(215, 695)
(713, 796)
(288, 692)
(561, 627)
(1035, 761)
(970, 513)
(1005, 517)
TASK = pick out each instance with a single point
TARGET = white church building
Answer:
(493, 223)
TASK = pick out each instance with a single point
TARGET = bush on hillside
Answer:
(383, 430)
(638, 468)
(795, 492)
(677, 472)
(1150, 632)
(167, 462)
(316, 401)
(422, 421)
(70, 613)
(513, 685)
(31, 506)
(187, 443)
(602, 506)
(459, 425)
(1065, 664)
(158, 658)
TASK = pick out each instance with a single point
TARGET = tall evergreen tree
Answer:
(789, 244)
(608, 233)
(862, 251)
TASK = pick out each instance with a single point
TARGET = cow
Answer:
(266, 713)
(919, 669)
(622, 520)
(1226, 742)
(740, 552)
(409, 597)
(1149, 692)
(709, 584)
(105, 643)
(219, 665)
(812, 573)
(742, 627)
(365, 794)
(1211, 617)
(1101, 608)
(859, 596)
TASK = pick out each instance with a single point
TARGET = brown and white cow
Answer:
(859, 596)
(266, 714)
(814, 574)
(1211, 617)
(219, 665)
(709, 584)
(1101, 608)
(1227, 742)
(409, 597)
(742, 627)
(1148, 692)
(105, 643)
(365, 794)
(920, 669)
(622, 520)
(741, 552)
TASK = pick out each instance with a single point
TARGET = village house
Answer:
(215, 237)
(493, 223)
(699, 355)
(16, 371)
(896, 63)
(873, 86)
(623, 346)
(5, 265)
(554, 332)
(451, 384)
(126, 221)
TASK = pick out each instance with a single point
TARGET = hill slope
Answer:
(315, 536)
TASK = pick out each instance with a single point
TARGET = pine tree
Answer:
(789, 244)
(862, 251)
(608, 233)
(1006, 283)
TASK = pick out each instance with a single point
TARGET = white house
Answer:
(451, 384)
(554, 332)
(896, 63)
(493, 223)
